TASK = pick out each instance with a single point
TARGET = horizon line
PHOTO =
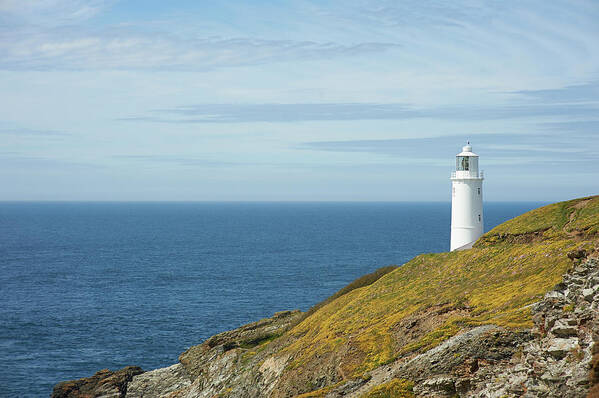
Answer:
(257, 201)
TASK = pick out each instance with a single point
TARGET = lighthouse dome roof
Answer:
(467, 151)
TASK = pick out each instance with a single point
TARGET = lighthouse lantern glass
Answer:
(463, 163)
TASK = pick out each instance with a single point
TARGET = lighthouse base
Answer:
(465, 247)
(464, 237)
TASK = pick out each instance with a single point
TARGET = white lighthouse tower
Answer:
(466, 200)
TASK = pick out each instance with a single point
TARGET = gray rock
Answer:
(562, 328)
(554, 294)
(581, 270)
(487, 342)
(103, 384)
(554, 363)
(559, 348)
(442, 386)
(588, 294)
(158, 383)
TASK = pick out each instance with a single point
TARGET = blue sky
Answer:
(303, 100)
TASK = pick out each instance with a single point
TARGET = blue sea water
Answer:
(86, 286)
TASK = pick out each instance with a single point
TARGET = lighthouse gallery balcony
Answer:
(467, 174)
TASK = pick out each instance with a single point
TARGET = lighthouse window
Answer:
(479, 218)
(463, 163)
(479, 194)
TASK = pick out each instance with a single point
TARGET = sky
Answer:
(349, 100)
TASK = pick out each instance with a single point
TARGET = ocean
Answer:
(86, 286)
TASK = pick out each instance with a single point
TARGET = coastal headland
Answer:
(516, 315)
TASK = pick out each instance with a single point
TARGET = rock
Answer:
(520, 368)
(562, 328)
(443, 386)
(554, 295)
(538, 390)
(272, 368)
(559, 348)
(206, 370)
(516, 385)
(548, 377)
(346, 388)
(459, 350)
(104, 384)
(588, 294)
(538, 318)
(577, 254)
(575, 281)
(252, 334)
(549, 322)
(221, 362)
(158, 382)
(216, 375)
(552, 364)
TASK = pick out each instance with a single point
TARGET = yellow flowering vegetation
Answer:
(438, 295)
(396, 388)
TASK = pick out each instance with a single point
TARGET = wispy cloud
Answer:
(514, 148)
(586, 128)
(13, 160)
(19, 131)
(588, 92)
(179, 160)
(50, 12)
(244, 113)
(533, 37)
(68, 51)
(426, 13)
(360, 74)
(47, 35)
(206, 162)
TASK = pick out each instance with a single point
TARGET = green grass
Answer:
(586, 218)
(558, 218)
(396, 388)
(551, 216)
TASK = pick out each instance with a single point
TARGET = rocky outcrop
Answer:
(198, 359)
(159, 382)
(448, 369)
(226, 359)
(237, 362)
(226, 363)
(104, 384)
(556, 363)
(553, 359)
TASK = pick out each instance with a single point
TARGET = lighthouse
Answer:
(466, 200)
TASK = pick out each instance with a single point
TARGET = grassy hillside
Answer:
(434, 296)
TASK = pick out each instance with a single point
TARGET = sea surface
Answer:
(87, 286)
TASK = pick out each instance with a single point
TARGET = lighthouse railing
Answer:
(480, 174)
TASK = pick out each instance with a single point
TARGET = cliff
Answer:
(516, 315)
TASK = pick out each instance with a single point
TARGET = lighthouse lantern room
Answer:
(466, 200)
